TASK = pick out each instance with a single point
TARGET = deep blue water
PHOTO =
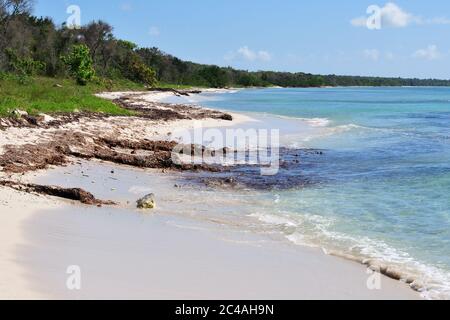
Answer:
(386, 167)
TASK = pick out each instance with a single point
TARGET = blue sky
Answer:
(321, 36)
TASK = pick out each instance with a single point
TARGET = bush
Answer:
(23, 67)
(138, 71)
(80, 64)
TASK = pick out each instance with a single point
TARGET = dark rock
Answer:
(147, 202)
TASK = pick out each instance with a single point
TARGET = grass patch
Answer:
(51, 95)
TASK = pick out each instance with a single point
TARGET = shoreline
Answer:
(161, 131)
(167, 255)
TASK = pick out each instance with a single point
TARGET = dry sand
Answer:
(15, 209)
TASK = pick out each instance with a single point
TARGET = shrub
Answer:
(138, 71)
(80, 64)
(23, 67)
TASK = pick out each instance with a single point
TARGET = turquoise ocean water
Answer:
(385, 173)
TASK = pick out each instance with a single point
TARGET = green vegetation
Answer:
(36, 46)
(24, 66)
(80, 64)
(170, 69)
(35, 54)
(49, 95)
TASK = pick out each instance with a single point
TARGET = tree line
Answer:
(170, 69)
(31, 45)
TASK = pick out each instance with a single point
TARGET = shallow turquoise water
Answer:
(385, 173)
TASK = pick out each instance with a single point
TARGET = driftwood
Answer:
(75, 194)
(185, 93)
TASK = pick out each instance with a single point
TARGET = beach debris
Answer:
(393, 273)
(20, 120)
(45, 118)
(19, 113)
(139, 106)
(76, 194)
(147, 202)
(176, 92)
(65, 144)
(169, 111)
(227, 117)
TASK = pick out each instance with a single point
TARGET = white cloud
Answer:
(391, 16)
(264, 56)
(246, 53)
(126, 7)
(395, 17)
(377, 55)
(372, 54)
(429, 53)
(154, 32)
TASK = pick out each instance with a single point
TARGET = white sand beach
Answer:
(127, 254)
(170, 253)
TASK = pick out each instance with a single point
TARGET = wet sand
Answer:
(124, 253)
